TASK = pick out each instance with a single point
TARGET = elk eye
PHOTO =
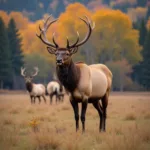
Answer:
(67, 54)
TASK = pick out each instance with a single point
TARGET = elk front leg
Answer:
(76, 112)
(31, 97)
(83, 113)
(39, 99)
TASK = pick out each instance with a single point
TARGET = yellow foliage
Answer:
(69, 22)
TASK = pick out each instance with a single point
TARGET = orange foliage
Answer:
(4, 16)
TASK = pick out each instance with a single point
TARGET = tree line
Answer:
(124, 47)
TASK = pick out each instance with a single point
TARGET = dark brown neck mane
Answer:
(69, 76)
(29, 86)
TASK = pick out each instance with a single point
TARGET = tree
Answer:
(16, 52)
(143, 32)
(5, 63)
(137, 68)
(145, 65)
(114, 37)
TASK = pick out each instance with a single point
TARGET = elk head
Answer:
(29, 78)
(63, 55)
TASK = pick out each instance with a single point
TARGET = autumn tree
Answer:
(114, 38)
(16, 52)
(5, 62)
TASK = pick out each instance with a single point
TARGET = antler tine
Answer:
(70, 46)
(36, 71)
(23, 71)
(88, 23)
(90, 27)
(54, 40)
(46, 21)
(43, 31)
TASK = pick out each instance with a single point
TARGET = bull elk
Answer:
(35, 90)
(86, 83)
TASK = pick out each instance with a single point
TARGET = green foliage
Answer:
(145, 65)
(137, 68)
(5, 62)
(143, 32)
(15, 47)
(15, 53)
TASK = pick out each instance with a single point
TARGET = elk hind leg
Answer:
(104, 105)
(98, 107)
(44, 99)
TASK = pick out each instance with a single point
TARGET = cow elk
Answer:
(86, 83)
(55, 89)
(35, 90)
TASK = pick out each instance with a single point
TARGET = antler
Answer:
(23, 71)
(43, 31)
(90, 25)
(36, 71)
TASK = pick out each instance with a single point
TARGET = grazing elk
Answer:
(55, 88)
(35, 90)
(86, 83)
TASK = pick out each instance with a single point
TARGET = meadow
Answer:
(52, 127)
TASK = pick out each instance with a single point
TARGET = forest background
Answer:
(121, 39)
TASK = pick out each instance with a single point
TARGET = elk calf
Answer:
(35, 90)
(86, 83)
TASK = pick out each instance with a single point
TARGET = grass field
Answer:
(43, 127)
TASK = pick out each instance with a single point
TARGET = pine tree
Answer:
(143, 32)
(145, 65)
(16, 52)
(136, 75)
(5, 62)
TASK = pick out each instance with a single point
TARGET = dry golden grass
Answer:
(52, 127)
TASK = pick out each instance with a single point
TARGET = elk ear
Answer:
(73, 50)
(51, 50)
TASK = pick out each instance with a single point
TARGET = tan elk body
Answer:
(54, 88)
(86, 83)
(93, 82)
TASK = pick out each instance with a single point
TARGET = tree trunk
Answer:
(121, 82)
(15, 85)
